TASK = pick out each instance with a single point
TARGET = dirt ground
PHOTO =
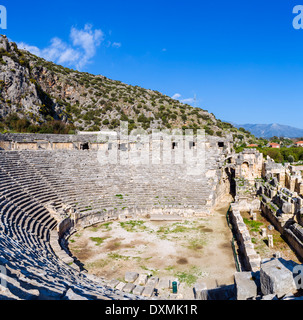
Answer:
(195, 249)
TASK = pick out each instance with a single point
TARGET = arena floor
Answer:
(191, 250)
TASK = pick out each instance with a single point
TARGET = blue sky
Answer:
(242, 59)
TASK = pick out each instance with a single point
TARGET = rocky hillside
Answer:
(35, 93)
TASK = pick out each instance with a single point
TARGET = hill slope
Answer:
(36, 94)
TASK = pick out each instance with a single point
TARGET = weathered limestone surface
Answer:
(148, 291)
(200, 291)
(138, 290)
(131, 276)
(246, 287)
(129, 287)
(276, 279)
(251, 258)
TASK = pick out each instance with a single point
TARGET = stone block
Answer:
(71, 295)
(129, 287)
(164, 283)
(113, 283)
(276, 279)
(142, 279)
(152, 281)
(287, 208)
(120, 286)
(148, 291)
(131, 276)
(200, 291)
(138, 290)
(246, 287)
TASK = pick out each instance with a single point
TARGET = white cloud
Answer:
(88, 40)
(176, 96)
(116, 44)
(189, 100)
(78, 53)
(34, 50)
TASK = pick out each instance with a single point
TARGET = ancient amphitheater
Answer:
(51, 186)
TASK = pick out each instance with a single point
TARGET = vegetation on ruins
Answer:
(254, 226)
(133, 225)
(284, 154)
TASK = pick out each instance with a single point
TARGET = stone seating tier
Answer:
(31, 179)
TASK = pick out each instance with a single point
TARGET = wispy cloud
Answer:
(78, 52)
(176, 96)
(116, 44)
(188, 100)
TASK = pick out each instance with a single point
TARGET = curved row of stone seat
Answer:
(31, 274)
(93, 186)
(29, 179)
(32, 270)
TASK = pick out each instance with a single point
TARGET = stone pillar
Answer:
(270, 241)
(263, 232)
(254, 216)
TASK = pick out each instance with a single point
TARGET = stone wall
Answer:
(248, 165)
(247, 252)
(277, 191)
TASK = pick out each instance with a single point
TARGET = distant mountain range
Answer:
(271, 130)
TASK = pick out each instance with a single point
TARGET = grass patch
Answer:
(116, 256)
(94, 229)
(177, 228)
(186, 277)
(78, 235)
(254, 226)
(180, 228)
(98, 240)
(144, 268)
(97, 264)
(169, 268)
(196, 244)
(133, 225)
(105, 226)
(189, 277)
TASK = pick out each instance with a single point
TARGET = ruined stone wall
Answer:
(249, 164)
(248, 254)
